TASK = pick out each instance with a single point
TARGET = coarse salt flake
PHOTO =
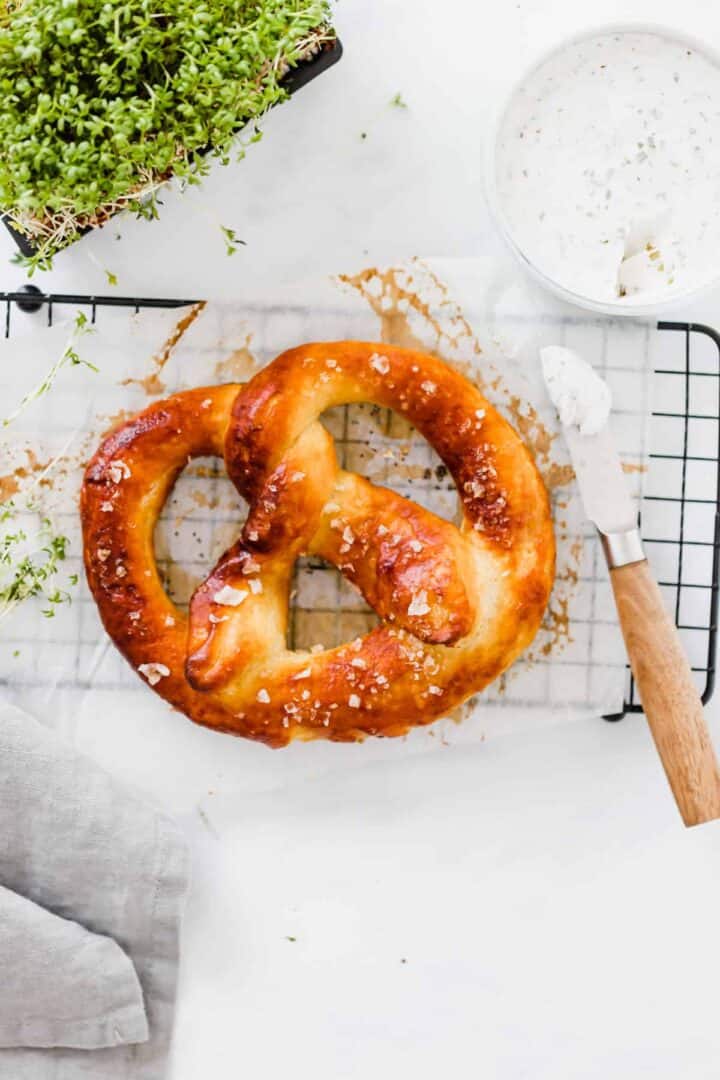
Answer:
(354, 701)
(103, 554)
(256, 586)
(419, 605)
(428, 386)
(415, 545)
(263, 696)
(118, 471)
(106, 507)
(380, 363)
(229, 597)
(436, 690)
(154, 672)
(474, 488)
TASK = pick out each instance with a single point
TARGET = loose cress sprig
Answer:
(68, 356)
(27, 568)
(29, 564)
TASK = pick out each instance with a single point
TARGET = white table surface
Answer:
(530, 907)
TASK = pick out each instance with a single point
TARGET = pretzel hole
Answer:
(202, 517)
(325, 609)
(385, 448)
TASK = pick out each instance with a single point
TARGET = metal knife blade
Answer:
(602, 483)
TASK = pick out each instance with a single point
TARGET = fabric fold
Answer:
(94, 883)
(62, 984)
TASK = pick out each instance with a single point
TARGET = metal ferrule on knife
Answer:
(622, 548)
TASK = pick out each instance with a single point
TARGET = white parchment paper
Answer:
(469, 313)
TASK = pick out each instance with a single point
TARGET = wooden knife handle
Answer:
(670, 699)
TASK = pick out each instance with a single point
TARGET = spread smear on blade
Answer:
(581, 397)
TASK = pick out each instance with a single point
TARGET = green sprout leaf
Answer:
(112, 278)
(30, 562)
(32, 553)
(397, 102)
(232, 240)
(104, 102)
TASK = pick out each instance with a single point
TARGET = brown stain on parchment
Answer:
(531, 429)
(203, 471)
(113, 421)
(152, 383)
(9, 486)
(239, 366)
(406, 472)
(556, 624)
(632, 467)
(460, 712)
(391, 297)
(556, 476)
(207, 502)
(11, 483)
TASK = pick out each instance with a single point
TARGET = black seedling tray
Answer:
(293, 81)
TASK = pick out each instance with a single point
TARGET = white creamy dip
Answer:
(608, 168)
(580, 396)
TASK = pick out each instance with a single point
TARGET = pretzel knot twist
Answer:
(457, 604)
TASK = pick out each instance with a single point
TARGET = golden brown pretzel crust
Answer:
(458, 604)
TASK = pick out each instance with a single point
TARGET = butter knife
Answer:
(670, 699)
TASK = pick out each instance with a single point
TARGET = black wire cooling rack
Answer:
(686, 424)
(680, 516)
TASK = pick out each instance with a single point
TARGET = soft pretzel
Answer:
(457, 604)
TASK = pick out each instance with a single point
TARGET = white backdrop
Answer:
(527, 909)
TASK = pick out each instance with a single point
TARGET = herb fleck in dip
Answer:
(608, 168)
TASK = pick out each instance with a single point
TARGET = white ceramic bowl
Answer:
(637, 310)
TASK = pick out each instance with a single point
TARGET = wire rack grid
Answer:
(681, 495)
